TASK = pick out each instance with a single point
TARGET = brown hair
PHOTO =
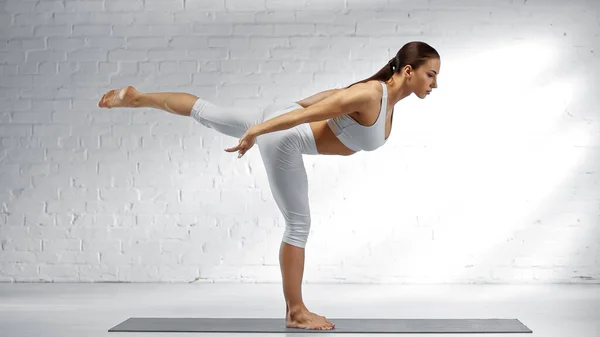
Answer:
(414, 53)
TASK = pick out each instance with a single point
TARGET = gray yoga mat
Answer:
(342, 325)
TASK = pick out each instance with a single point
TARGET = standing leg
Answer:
(289, 185)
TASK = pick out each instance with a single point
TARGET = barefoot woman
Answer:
(335, 122)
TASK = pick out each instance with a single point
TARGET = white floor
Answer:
(89, 310)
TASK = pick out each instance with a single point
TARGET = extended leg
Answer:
(231, 121)
(179, 103)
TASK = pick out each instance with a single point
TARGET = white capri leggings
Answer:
(281, 152)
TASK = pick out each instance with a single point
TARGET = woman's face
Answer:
(424, 79)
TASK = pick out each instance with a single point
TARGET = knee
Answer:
(199, 110)
(296, 234)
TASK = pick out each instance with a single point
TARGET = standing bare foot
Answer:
(304, 319)
(124, 97)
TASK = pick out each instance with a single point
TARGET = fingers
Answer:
(236, 148)
(242, 152)
(242, 147)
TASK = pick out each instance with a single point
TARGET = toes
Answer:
(106, 99)
(109, 97)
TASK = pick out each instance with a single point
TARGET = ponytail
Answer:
(383, 74)
(414, 53)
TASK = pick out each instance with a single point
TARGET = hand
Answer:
(246, 142)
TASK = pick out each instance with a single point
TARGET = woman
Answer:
(337, 121)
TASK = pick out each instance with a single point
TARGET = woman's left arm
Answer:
(343, 101)
(282, 122)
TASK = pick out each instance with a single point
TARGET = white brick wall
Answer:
(493, 178)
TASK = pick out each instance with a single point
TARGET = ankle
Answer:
(136, 102)
(297, 309)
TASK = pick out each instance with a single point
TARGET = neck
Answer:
(397, 90)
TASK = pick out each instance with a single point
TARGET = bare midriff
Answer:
(327, 142)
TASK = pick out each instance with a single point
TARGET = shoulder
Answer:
(367, 91)
(375, 86)
(371, 89)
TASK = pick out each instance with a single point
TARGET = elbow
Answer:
(307, 117)
(301, 116)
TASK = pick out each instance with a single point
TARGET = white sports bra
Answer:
(360, 137)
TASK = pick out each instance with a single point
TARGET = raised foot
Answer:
(307, 320)
(124, 97)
